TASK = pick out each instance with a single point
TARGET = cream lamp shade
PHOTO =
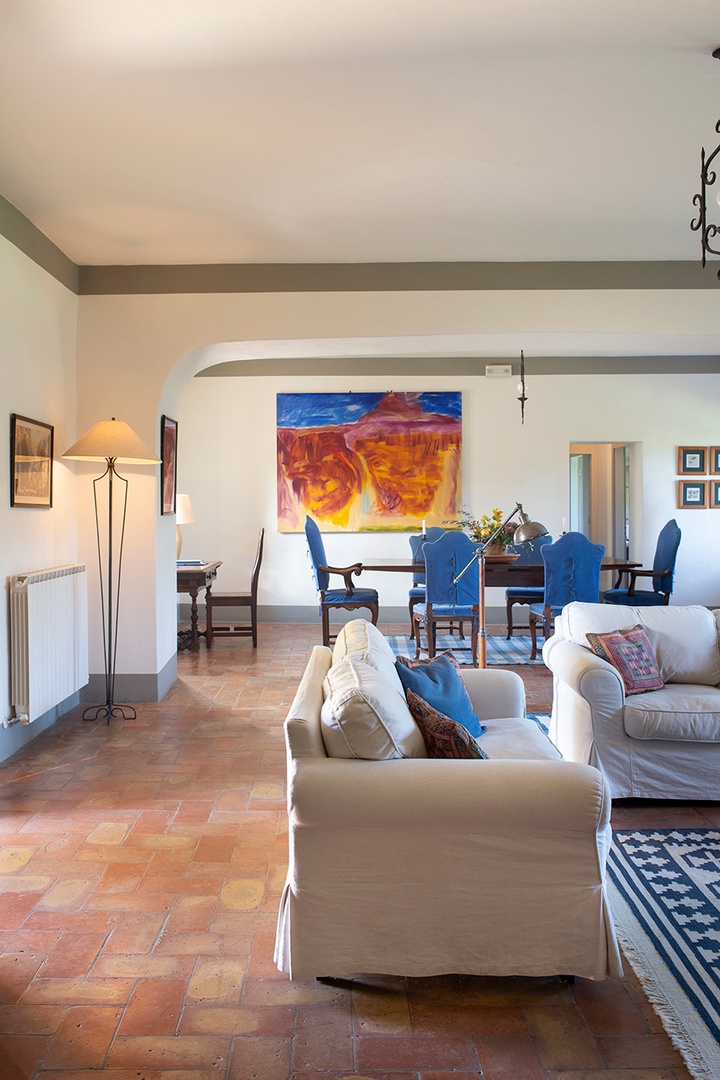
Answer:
(111, 440)
(185, 515)
(184, 512)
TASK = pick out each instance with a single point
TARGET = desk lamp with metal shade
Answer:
(527, 530)
(111, 441)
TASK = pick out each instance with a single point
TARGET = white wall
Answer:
(38, 320)
(227, 464)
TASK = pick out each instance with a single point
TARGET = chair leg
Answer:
(325, 626)
(533, 635)
(375, 612)
(253, 624)
(508, 611)
(208, 625)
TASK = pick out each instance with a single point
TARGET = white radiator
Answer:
(48, 639)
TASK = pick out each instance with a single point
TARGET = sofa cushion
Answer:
(632, 654)
(682, 712)
(361, 640)
(365, 716)
(439, 682)
(685, 641)
(684, 638)
(444, 738)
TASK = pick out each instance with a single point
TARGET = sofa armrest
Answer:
(541, 798)
(586, 673)
(494, 693)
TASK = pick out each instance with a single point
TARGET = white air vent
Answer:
(498, 371)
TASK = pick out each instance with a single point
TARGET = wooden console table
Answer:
(190, 579)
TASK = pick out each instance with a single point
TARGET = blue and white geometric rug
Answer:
(499, 649)
(664, 887)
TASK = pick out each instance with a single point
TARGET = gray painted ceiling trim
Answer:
(16, 228)
(464, 366)
(344, 277)
(393, 277)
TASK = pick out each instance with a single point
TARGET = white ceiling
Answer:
(296, 131)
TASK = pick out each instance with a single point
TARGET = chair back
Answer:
(416, 543)
(256, 568)
(316, 549)
(444, 559)
(572, 570)
(530, 553)
(665, 556)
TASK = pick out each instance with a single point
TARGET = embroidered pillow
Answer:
(439, 682)
(444, 738)
(632, 654)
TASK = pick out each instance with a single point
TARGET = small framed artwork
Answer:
(168, 448)
(692, 494)
(715, 494)
(715, 460)
(31, 462)
(692, 460)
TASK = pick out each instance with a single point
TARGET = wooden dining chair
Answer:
(236, 600)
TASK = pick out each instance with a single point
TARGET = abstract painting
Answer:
(364, 462)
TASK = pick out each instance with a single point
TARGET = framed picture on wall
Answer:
(168, 449)
(715, 494)
(692, 494)
(31, 462)
(692, 460)
(715, 460)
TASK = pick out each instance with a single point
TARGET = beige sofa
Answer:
(421, 866)
(662, 744)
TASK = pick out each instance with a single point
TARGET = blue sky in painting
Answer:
(319, 410)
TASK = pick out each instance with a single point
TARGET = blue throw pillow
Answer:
(438, 682)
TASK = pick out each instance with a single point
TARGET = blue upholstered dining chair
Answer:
(662, 574)
(416, 593)
(529, 554)
(572, 572)
(349, 597)
(448, 601)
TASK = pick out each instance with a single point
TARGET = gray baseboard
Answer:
(17, 735)
(269, 613)
(132, 688)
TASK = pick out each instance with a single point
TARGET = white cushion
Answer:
(364, 716)
(685, 641)
(680, 712)
(685, 638)
(360, 640)
(517, 738)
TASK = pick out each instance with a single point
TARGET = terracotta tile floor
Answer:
(140, 870)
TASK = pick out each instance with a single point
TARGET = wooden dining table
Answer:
(499, 573)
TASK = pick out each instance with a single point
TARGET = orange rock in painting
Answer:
(326, 475)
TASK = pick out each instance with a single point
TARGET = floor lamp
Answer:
(526, 530)
(111, 441)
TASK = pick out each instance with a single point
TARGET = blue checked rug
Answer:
(499, 649)
(664, 889)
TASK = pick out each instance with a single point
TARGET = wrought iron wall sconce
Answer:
(708, 179)
(522, 387)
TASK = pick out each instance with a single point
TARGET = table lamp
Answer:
(184, 515)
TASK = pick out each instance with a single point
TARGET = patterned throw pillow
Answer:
(438, 681)
(632, 654)
(444, 738)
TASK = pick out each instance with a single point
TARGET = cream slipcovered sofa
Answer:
(661, 744)
(417, 866)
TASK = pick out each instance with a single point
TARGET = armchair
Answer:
(662, 574)
(572, 572)
(349, 597)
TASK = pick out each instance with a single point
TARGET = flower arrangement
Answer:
(482, 528)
